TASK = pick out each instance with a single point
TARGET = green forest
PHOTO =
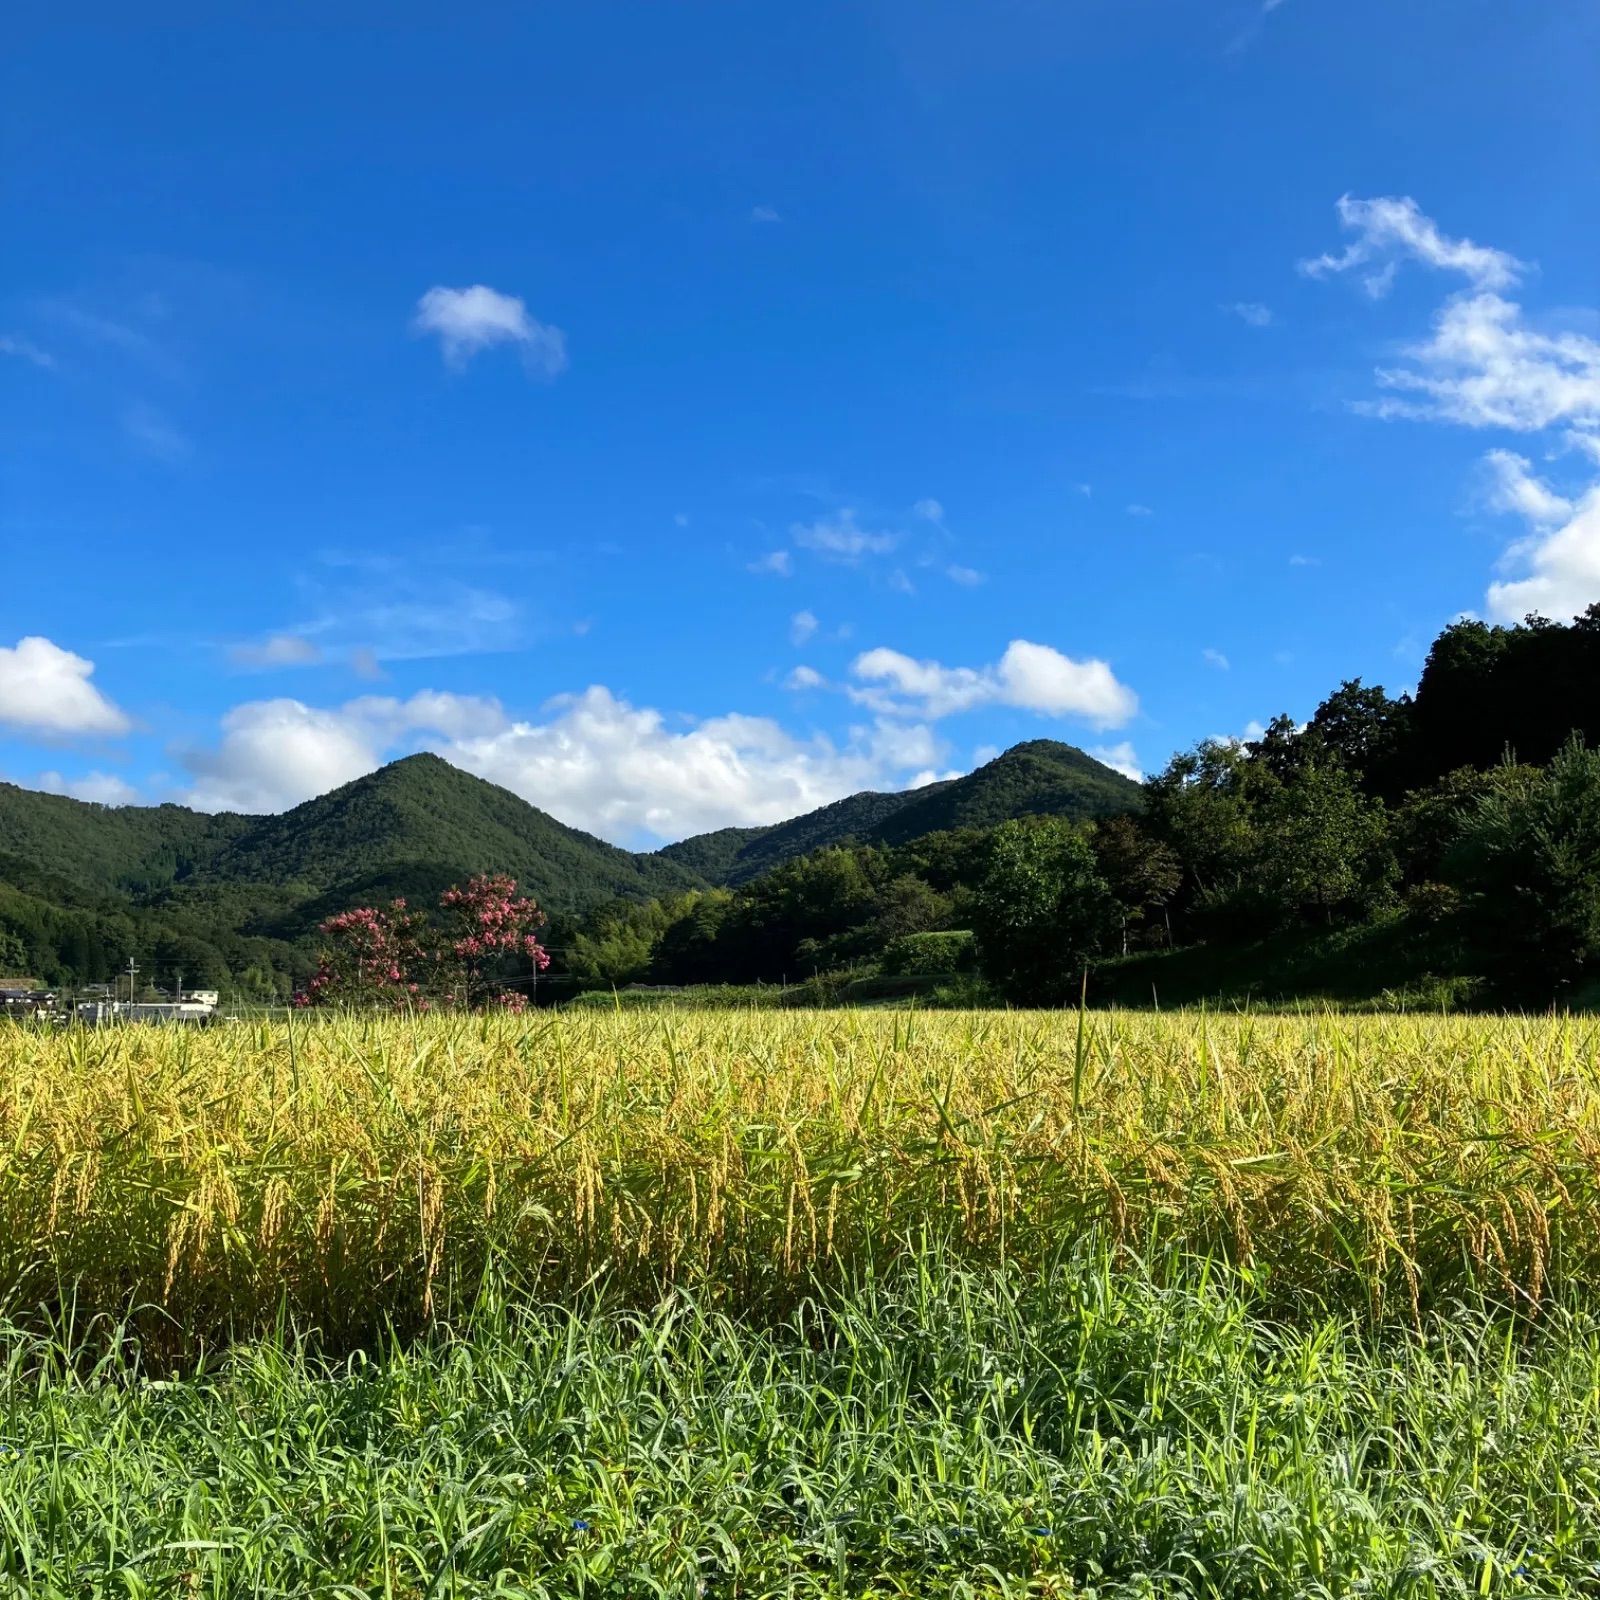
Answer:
(1434, 848)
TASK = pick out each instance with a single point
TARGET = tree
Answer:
(1042, 911)
(1141, 873)
(484, 938)
(1529, 859)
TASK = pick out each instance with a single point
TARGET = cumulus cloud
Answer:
(1392, 228)
(802, 625)
(276, 753)
(774, 564)
(1031, 677)
(592, 759)
(1120, 758)
(277, 650)
(477, 318)
(1485, 367)
(804, 677)
(103, 788)
(841, 538)
(1563, 562)
(45, 689)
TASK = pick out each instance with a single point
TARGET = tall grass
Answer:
(356, 1172)
(946, 1432)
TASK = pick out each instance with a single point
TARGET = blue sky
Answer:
(685, 415)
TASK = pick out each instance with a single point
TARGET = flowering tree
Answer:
(484, 932)
(487, 926)
(369, 957)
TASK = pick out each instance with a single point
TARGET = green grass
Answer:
(946, 1432)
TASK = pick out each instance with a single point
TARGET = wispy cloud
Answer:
(1392, 228)
(1486, 365)
(155, 435)
(774, 564)
(1214, 658)
(277, 650)
(21, 349)
(764, 214)
(842, 538)
(1252, 312)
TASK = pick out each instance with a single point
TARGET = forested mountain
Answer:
(1040, 778)
(84, 886)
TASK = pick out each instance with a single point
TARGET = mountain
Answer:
(1041, 777)
(84, 887)
(418, 825)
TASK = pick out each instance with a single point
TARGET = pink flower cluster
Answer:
(485, 935)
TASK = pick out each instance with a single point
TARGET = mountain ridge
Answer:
(84, 885)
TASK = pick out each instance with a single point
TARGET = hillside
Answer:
(1041, 777)
(111, 849)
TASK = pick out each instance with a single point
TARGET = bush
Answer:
(940, 954)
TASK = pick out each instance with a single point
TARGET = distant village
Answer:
(100, 1004)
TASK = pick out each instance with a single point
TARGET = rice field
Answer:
(802, 1303)
(356, 1173)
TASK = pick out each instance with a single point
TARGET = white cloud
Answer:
(602, 764)
(1252, 312)
(929, 510)
(802, 625)
(1137, 510)
(967, 577)
(1305, 561)
(1563, 579)
(764, 214)
(1392, 228)
(900, 582)
(469, 320)
(276, 753)
(1032, 677)
(25, 350)
(1214, 658)
(775, 563)
(45, 689)
(841, 538)
(804, 677)
(278, 650)
(592, 760)
(103, 788)
(1120, 758)
(1513, 488)
(1484, 367)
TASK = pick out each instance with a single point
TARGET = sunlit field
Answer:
(823, 1303)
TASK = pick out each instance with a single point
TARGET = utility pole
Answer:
(133, 972)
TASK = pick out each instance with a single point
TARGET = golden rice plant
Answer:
(353, 1170)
